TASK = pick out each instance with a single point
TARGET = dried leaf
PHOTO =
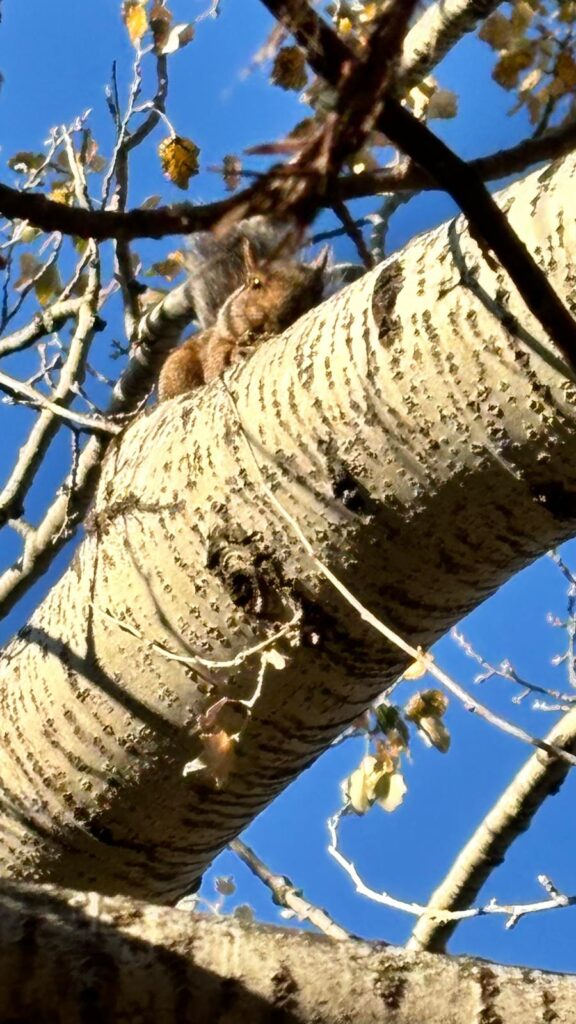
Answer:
(150, 203)
(225, 885)
(427, 702)
(433, 730)
(168, 268)
(508, 69)
(48, 284)
(232, 167)
(29, 267)
(218, 755)
(521, 16)
(443, 104)
(179, 158)
(243, 913)
(497, 31)
(177, 38)
(289, 69)
(160, 20)
(80, 285)
(566, 69)
(274, 659)
(25, 161)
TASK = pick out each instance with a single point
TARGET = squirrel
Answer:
(243, 293)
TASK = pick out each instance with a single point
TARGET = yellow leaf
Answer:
(168, 268)
(63, 193)
(361, 784)
(531, 80)
(135, 19)
(391, 791)
(48, 284)
(497, 31)
(418, 668)
(179, 157)
(344, 26)
(369, 13)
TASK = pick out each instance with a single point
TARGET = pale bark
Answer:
(436, 32)
(69, 958)
(426, 446)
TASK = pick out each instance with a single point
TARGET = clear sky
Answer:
(56, 60)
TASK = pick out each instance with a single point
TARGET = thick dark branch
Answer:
(181, 219)
(490, 168)
(327, 56)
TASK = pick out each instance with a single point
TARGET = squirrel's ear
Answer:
(250, 258)
(321, 260)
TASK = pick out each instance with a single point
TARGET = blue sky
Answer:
(56, 59)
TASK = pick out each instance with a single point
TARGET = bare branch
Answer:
(45, 322)
(429, 915)
(354, 232)
(287, 895)
(23, 392)
(506, 671)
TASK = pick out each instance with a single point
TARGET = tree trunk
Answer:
(424, 443)
(70, 958)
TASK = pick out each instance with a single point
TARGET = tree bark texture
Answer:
(72, 958)
(418, 428)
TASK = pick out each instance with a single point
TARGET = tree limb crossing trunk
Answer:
(420, 431)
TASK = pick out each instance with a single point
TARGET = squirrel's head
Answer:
(277, 292)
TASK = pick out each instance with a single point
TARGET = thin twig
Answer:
(23, 392)
(432, 915)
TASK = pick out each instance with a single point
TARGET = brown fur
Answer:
(273, 296)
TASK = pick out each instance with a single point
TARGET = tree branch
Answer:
(509, 818)
(327, 55)
(128, 961)
(408, 177)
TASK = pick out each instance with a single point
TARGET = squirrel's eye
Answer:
(256, 282)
